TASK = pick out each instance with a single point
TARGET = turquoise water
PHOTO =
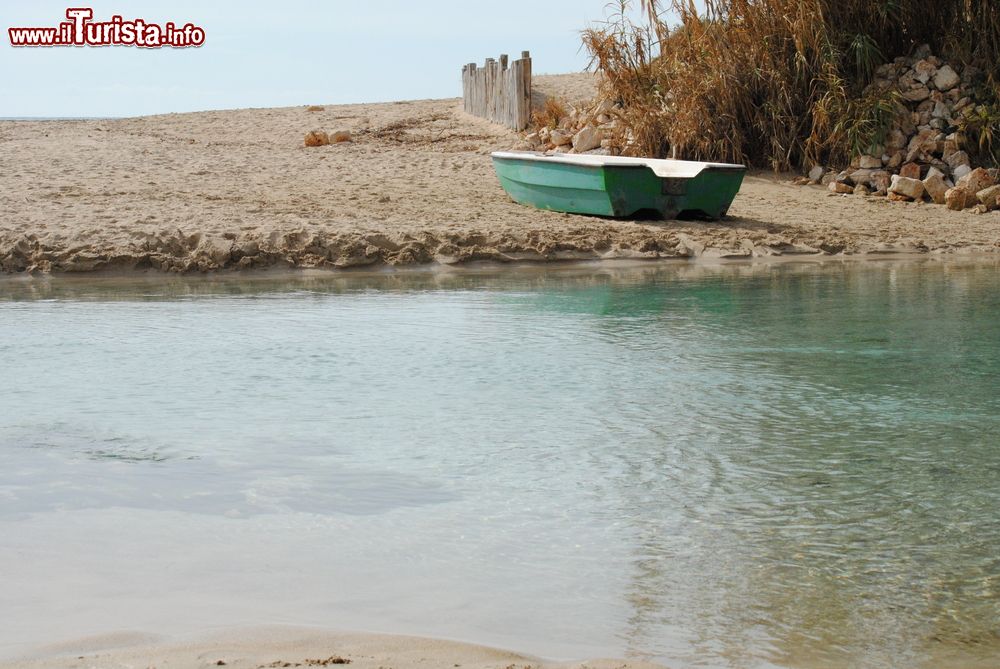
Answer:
(740, 466)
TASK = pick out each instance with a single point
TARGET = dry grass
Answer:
(553, 111)
(776, 83)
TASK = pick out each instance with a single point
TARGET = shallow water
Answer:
(740, 466)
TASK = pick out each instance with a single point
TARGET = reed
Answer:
(551, 113)
(778, 83)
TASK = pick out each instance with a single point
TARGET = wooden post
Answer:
(500, 90)
(526, 91)
(490, 82)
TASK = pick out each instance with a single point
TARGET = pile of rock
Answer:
(586, 130)
(922, 159)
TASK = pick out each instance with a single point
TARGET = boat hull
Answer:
(617, 190)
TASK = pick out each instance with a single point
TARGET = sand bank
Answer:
(267, 647)
(237, 189)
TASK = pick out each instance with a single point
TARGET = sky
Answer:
(282, 53)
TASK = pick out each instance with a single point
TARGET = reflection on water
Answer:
(749, 466)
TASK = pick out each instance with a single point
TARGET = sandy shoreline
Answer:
(236, 189)
(279, 646)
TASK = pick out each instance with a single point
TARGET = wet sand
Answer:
(269, 647)
(237, 189)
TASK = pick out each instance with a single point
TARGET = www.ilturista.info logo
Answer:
(80, 30)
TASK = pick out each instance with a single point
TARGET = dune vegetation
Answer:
(784, 84)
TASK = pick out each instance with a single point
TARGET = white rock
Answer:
(988, 196)
(870, 163)
(912, 188)
(961, 171)
(816, 173)
(880, 180)
(923, 71)
(946, 79)
(917, 94)
(587, 139)
(604, 107)
(957, 158)
(897, 140)
(862, 176)
(918, 139)
(935, 186)
(958, 199)
(908, 79)
(559, 138)
(934, 171)
(977, 180)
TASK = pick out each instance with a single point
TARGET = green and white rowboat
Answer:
(618, 186)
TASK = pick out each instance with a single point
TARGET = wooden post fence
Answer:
(499, 93)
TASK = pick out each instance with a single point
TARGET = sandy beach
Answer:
(237, 189)
(274, 647)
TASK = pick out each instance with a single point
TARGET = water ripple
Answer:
(746, 467)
